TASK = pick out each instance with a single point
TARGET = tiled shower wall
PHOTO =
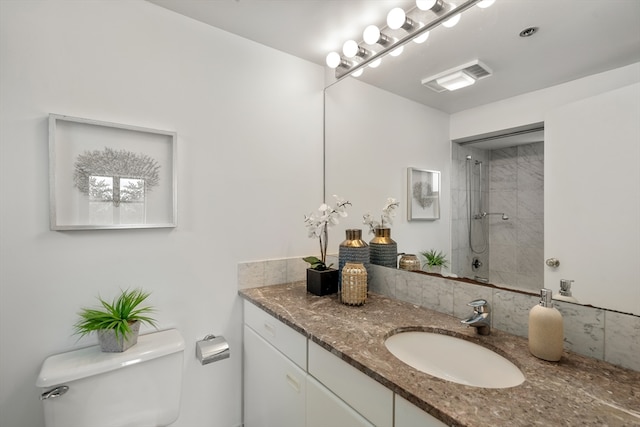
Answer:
(514, 180)
(594, 332)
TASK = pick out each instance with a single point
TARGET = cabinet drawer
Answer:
(362, 393)
(409, 415)
(291, 343)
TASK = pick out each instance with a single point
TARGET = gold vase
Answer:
(409, 262)
(383, 249)
(353, 249)
(353, 289)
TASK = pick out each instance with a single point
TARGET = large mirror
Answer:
(528, 173)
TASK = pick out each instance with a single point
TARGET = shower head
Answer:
(505, 217)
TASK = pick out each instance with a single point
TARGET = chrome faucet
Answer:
(480, 319)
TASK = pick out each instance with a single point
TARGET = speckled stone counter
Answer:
(577, 391)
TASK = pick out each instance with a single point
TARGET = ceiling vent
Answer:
(475, 70)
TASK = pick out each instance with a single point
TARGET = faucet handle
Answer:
(479, 305)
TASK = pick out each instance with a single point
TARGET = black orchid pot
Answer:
(322, 282)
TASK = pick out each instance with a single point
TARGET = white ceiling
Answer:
(576, 38)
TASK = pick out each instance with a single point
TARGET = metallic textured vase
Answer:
(353, 249)
(409, 262)
(383, 250)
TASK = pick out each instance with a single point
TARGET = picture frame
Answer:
(423, 194)
(105, 175)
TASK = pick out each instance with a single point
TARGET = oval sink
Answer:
(454, 359)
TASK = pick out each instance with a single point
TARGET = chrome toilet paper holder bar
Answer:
(211, 349)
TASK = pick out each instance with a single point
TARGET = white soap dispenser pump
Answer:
(546, 332)
(565, 291)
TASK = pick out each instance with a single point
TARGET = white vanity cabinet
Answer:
(274, 372)
(290, 381)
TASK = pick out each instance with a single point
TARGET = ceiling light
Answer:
(451, 22)
(456, 81)
(434, 5)
(528, 32)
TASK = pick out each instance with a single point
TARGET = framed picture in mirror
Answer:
(423, 194)
(110, 176)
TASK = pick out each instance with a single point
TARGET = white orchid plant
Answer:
(318, 224)
(388, 213)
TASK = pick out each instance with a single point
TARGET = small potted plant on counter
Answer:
(434, 261)
(322, 279)
(117, 323)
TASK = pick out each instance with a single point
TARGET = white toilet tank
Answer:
(137, 388)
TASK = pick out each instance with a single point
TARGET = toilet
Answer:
(140, 387)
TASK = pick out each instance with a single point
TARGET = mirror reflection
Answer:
(513, 176)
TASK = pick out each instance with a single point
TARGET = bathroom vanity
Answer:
(335, 370)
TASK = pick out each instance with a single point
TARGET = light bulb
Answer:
(371, 34)
(358, 73)
(374, 64)
(425, 4)
(333, 60)
(350, 48)
(397, 51)
(422, 37)
(451, 22)
(486, 3)
(396, 18)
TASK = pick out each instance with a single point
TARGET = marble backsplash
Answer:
(594, 332)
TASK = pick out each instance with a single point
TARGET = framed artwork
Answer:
(110, 176)
(423, 188)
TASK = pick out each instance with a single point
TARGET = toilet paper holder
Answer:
(211, 349)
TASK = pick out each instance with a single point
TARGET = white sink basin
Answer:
(454, 359)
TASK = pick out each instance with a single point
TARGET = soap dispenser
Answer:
(546, 333)
(565, 291)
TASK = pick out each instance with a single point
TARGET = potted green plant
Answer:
(322, 279)
(117, 323)
(434, 261)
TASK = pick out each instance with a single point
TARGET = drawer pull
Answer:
(293, 382)
(270, 328)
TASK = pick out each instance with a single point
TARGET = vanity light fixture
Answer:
(391, 39)
(372, 35)
(397, 19)
(453, 21)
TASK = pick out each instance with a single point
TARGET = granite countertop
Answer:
(576, 391)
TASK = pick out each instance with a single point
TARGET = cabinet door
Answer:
(409, 415)
(274, 387)
(325, 409)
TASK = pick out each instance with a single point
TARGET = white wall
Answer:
(372, 137)
(532, 107)
(249, 124)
